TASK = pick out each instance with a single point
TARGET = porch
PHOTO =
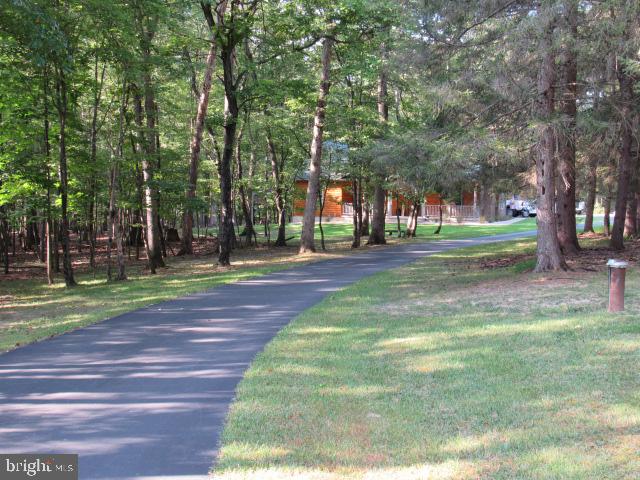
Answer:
(428, 213)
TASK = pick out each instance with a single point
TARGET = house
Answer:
(338, 205)
(338, 200)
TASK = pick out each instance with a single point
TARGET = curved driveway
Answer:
(145, 394)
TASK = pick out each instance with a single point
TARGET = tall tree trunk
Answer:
(637, 176)
(359, 209)
(377, 236)
(566, 184)
(606, 221)
(364, 229)
(114, 217)
(624, 164)
(631, 220)
(609, 186)
(356, 224)
(592, 182)
(149, 194)
(549, 256)
(163, 243)
(637, 212)
(111, 216)
(4, 236)
(55, 234)
(150, 147)
(249, 230)
(4, 230)
(399, 209)
(47, 166)
(440, 205)
(378, 217)
(42, 232)
(138, 230)
(630, 224)
(97, 95)
(31, 231)
(412, 222)
(250, 193)
(279, 197)
(198, 131)
(307, 243)
(61, 92)
(227, 234)
(487, 206)
(322, 199)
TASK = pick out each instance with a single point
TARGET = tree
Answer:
(566, 187)
(198, 130)
(377, 236)
(626, 79)
(307, 243)
(62, 106)
(147, 24)
(233, 27)
(276, 175)
(549, 256)
(114, 227)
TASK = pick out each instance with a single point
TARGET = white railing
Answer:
(452, 211)
(432, 211)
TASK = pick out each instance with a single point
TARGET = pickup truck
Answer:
(523, 208)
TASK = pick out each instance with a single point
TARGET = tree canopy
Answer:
(136, 120)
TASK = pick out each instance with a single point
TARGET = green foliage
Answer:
(461, 90)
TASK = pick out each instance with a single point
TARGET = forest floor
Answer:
(31, 310)
(461, 365)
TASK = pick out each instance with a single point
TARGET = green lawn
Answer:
(31, 310)
(340, 232)
(447, 369)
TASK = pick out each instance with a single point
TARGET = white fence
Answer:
(465, 212)
(452, 211)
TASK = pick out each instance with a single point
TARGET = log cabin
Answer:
(338, 205)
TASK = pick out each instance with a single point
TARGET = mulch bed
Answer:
(503, 262)
(595, 259)
(590, 259)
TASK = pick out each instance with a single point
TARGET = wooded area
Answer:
(125, 126)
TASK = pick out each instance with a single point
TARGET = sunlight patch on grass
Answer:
(248, 452)
(363, 391)
(320, 330)
(445, 471)
(434, 363)
(622, 416)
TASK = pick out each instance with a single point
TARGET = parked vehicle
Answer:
(524, 208)
(580, 208)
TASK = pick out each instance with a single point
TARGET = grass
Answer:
(335, 232)
(30, 310)
(340, 234)
(447, 369)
